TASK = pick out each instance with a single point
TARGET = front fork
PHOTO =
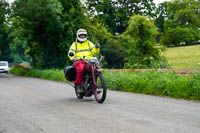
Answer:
(95, 69)
(94, 76)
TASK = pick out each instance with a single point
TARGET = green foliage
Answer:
(49, 28)
(136, 47)
(141, 42)
(4, 44)
(4, 10)
(115, 14)
(161, 16)
(155, 83)
(18, 43)
(38, 29)
(114, 52)
(152, 83)
(180, 36)
(182, 24)
(41, 32)
(41, 23)
(98, 32)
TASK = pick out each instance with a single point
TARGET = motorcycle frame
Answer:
(94, 68)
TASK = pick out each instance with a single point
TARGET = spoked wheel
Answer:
(78, 95)
(100, 90)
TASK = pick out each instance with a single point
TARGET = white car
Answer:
(4, 68)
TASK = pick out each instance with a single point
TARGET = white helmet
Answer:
(82, 32)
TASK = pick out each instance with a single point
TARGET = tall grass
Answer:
(153, 83)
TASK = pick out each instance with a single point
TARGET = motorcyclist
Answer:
(80, 49)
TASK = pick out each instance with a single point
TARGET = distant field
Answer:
(183, 57)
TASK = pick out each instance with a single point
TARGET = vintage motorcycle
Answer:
(94, 82)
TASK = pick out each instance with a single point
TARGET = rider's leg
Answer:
(80, 67)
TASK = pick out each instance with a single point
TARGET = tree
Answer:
(115, 14)
(182, 25)
(4, 45)
(142, 52)
(98, 32)
(41, 22)
(18, 43)
(50, 28)
(115, 52)
(73, 18)
(161, 16)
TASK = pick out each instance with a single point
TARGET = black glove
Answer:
(74, 59)
(97, 45)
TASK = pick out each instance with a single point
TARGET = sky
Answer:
(10, 1)
(159, 1)
(156, 1)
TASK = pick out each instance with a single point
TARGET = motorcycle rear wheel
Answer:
(100, 88)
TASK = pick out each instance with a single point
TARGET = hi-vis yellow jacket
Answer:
(86, 49)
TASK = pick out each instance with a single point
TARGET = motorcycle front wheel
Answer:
(100, 90)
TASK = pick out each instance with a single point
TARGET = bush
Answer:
(114, 52)
(143, 52)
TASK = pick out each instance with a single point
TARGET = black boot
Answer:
(79, 89)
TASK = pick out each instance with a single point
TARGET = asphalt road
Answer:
(29, 105)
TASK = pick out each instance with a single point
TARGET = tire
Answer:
(79, 96)
(101, 79)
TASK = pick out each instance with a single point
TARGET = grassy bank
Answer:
(183, 57)
(153, 83)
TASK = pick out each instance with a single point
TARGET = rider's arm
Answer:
(72, 50)
(94, 50)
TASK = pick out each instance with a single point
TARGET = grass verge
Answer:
(153, 83)
(52, 74)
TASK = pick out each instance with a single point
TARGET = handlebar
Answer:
(92, 60)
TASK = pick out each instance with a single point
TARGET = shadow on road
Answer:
(2, 75)
(75, 100)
